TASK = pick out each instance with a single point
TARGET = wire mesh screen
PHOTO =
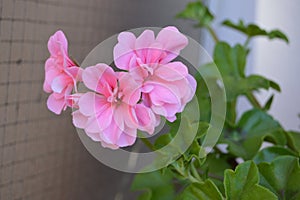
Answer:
(41, 156)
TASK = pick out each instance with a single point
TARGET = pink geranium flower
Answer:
(61, 74)
(112, 115)
(166, 86)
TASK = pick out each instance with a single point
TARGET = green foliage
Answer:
(282, 176)
(270, 153)
(264, 173)
(201, 191)
(231, 62)
(294, 141)
(157, 186)
(198, 12)
(253, 128)
(243, 183)
(252, 30)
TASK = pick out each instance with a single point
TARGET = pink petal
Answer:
(123, 117)
(168, 95)
(59, 83)
(192, 82)
(100, 78)
(145, 117)
(79, 120)
(124, 50)
(90, 104)
(99, 111)
(145, 40)
(50, 75)
(139, 74)
(75, 72)
(111, 134)
(127, 39)
(167, 110)
(155, 53)
(50, 64)
(172, 71)
(57, 42)
(47, 87)
(126, 139)
(111, 146)
(172, 41)
(131, 90)
(92, 125)
(68, 97)
(55, 105)
(143, 43)
(94, 136)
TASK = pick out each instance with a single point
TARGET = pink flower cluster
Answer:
(61, 74)
(149, 86)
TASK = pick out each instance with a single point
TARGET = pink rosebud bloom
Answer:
(111, 114)
(61, 74)
(166, 86)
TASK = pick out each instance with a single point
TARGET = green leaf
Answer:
(231, 62)
(294, 141)
(250, 83)
(270, 153)
(252, 30)
(198, 12)
(275, 86)
(253, 128)
(201, 191)
(282, 176)
(157, 186)
(278, 34)
(268, 104)
(214, 168)
(242, 184)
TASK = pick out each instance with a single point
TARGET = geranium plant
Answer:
(247, 169)
(147, 84)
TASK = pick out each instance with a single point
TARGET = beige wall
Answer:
(41, 156)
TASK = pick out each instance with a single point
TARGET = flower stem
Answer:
(247, 42)
(148, 143)
(252, 99)
(213, 34)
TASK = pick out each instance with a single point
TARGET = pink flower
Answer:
(61, 74)
(166, 86)
(112, 115)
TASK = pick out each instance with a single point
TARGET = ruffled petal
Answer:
(94, 136)
(172, 71)
(124, 51)
(79, 120)
(131, 90)
(143, 43)
(90, 104)
(123, 117)
(59, 83)
(172, 41)
(50, 64)
(57, 42)
(111, 134)
(55, 105)
(100, 78)
(145, 118)
(126, 139)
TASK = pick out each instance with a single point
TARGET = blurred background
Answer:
(41, 156)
